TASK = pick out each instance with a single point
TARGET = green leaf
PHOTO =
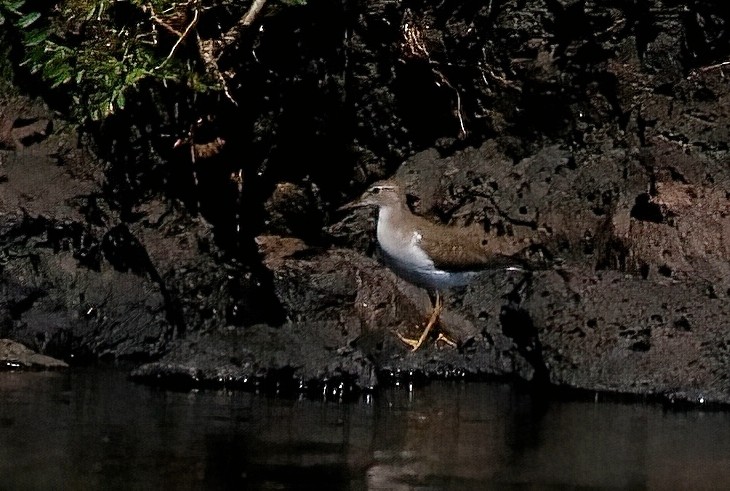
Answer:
(36, 37)
(2, 19)
(90, 14)
(135, 75)
(57, 73)
(121, 100)
(28, 19)
(14, 7)
(60, 79)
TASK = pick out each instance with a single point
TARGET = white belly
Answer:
(403, 254)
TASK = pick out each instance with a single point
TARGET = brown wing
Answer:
(459, 249)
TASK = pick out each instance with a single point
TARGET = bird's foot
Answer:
(445, 339)
(413, 343)
(426, 330)
(416, 343)
(433, 319)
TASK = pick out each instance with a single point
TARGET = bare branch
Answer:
(159, 21)
(714, 67)
(206, 49)
(210, 50)
(196, 13)
(234, 33)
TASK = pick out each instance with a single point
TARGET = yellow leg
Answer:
(415, 344)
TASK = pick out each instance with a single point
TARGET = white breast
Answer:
(403, 253)
(401, 246)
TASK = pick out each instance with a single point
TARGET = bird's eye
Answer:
(376, 190)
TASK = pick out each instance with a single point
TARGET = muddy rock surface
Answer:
(587, 138)
(15, 356)
(79, 282)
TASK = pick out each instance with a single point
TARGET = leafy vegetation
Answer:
(98, 52)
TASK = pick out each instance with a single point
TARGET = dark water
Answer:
(97, 430)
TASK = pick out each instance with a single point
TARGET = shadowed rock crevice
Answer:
(126, 254)
(645, 210)
(518, 326)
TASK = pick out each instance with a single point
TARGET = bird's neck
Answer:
(393, 216)
(394, 230)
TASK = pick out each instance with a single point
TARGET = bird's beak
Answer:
(358, 203)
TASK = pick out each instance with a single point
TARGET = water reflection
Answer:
(85, 430)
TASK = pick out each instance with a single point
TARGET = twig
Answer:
(253, 12)
(206, 50)
(211, 51)
(181, 38)
(234, 33)
(714, 67)
(462, 129)
(159, 21)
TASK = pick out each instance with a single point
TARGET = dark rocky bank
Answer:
(591, 137)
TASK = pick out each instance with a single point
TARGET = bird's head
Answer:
(381, 193)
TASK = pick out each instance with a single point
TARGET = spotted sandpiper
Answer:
(429, 255)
